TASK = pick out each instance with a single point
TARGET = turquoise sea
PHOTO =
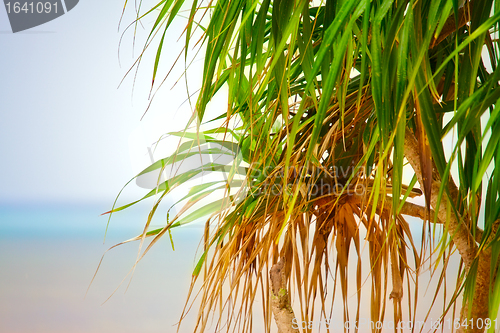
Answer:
(49, 253)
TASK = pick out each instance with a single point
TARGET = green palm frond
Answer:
(334, 100)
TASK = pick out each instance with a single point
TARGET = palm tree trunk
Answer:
(280, 299)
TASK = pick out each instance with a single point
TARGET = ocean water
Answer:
(49, 253)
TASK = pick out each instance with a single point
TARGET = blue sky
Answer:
(65, 128)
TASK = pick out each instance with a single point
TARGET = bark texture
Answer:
(280, 299)
(461, 236)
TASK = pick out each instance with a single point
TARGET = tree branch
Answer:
(462, 238)
(411, 209)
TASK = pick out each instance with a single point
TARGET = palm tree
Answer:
(331, 105)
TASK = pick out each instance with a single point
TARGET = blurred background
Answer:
(69, 140)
